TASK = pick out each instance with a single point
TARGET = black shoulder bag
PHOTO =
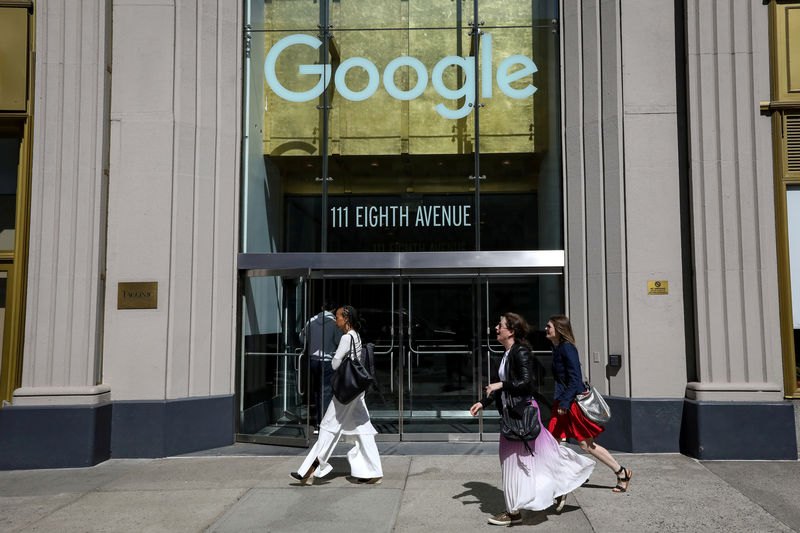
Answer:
(350, 378)
(521, 423)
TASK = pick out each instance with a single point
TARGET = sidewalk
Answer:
(437, 487)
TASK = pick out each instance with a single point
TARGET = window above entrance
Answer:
(406, 126)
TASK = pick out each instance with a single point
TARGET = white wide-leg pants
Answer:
(365, 462)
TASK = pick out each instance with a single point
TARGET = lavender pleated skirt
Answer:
(534, 481)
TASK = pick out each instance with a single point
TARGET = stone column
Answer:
(64, 310)
(733, 218)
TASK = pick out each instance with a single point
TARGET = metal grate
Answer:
(792, 137)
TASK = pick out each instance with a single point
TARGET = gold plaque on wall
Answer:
(137, 295)
(658, 287)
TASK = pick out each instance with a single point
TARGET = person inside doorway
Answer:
(534, 480)
(345, 419)
(568, 420)
(321, 338)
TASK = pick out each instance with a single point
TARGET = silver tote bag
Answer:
(593, 405)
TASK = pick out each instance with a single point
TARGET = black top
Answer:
(519, 380)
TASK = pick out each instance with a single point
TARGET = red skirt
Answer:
(573, 425)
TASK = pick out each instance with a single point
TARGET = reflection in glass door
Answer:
(376, 300)
(434, 340)
(526, 296)
(273, 370)
(441, 377)
(423, 331)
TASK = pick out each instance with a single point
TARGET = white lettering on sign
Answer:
(400, 216)
(505, 76)
(384, 216)
(442, 215)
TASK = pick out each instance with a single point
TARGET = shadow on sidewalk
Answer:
(491, 501)
(488, 497)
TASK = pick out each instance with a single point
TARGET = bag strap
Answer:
(352, 345)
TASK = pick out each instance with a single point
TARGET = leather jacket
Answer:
(519, 383)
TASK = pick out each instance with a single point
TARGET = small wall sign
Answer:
(137, 295)
(658, 287)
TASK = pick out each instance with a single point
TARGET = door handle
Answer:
(488, 367)
(299, 363)
(410, 383)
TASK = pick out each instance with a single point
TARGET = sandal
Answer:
(626, 478)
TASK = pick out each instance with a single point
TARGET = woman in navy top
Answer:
(568, 420)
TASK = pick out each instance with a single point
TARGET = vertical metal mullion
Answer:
(305, 310)
(401, 360)
(476, 33)
(324, 53)
(477, 346)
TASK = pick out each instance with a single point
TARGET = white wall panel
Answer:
(653, 201)
(185, 348)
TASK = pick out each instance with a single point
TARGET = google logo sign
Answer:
(505, 76)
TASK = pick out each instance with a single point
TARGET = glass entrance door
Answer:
(441, 375)
(424, 331)
(536, 298)
(434, 342)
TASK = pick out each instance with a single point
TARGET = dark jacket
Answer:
(519, 383)
(567, 374)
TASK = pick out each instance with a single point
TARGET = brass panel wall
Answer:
(13, 58)
(786, 78)
(793, 49)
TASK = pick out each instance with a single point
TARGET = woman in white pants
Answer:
(345, 419)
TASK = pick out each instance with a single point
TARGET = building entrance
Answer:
(434, 339)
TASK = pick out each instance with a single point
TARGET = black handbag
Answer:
(521, 423)
(350, 378)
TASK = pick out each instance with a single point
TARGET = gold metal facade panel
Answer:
(785, 72)
(793, 51)
(790, 143)
(7, 363)
(137, 295)
(13, 58)
(16, 47)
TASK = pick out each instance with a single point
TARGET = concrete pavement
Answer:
(427, 487)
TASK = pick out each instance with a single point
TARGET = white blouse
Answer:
(346, 343)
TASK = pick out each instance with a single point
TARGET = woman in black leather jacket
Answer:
(530, 481)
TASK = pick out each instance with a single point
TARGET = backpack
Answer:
(368, 360)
